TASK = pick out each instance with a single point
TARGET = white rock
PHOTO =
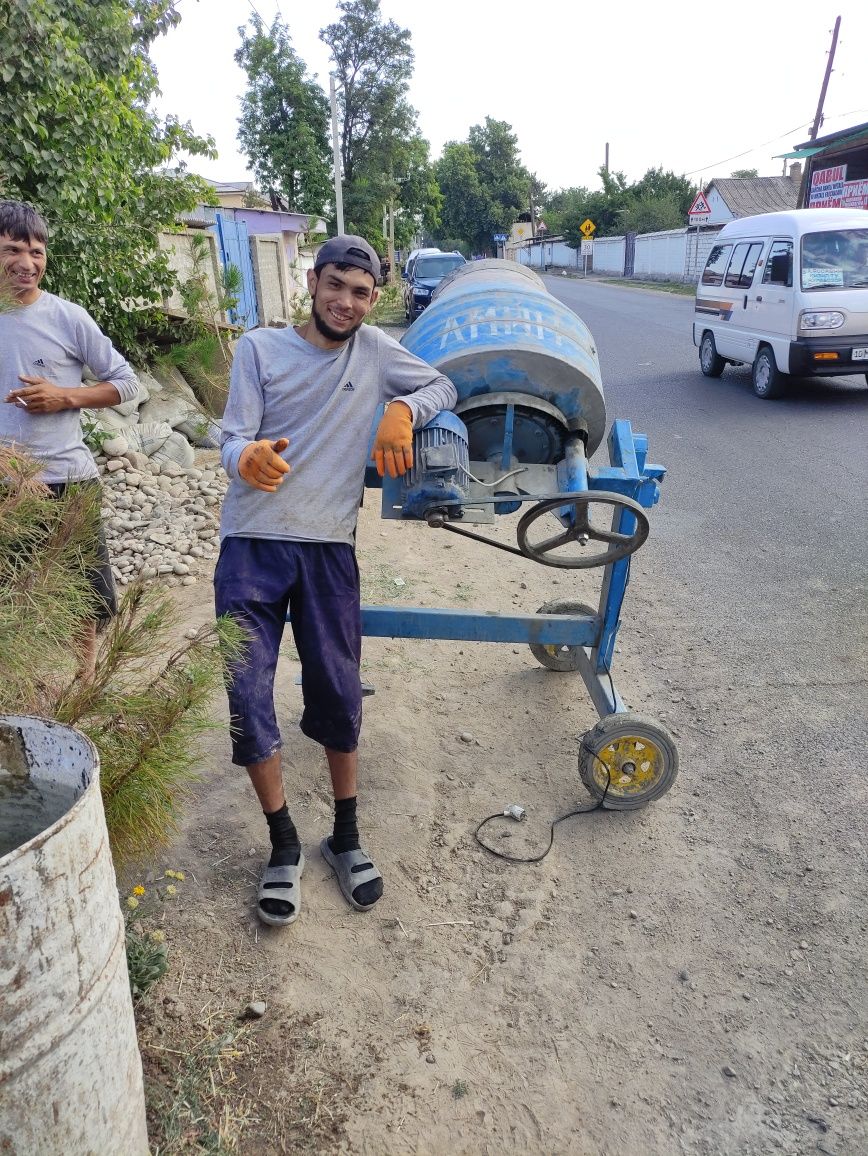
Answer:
(115, 447)
(114, 465)
(137, 460)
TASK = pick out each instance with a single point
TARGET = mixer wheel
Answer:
(553, 656)
(639, 754)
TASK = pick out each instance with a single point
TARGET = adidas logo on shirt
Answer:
(39, 362)
(349, 387)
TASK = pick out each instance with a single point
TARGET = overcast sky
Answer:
(699, 87)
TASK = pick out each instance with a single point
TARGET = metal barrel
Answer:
(493, 327)
(70, 1069)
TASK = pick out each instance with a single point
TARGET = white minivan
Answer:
(786, 293)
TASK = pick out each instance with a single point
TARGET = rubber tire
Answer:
(771, 384)
(710, 362)
(627, 724)
(566, 660)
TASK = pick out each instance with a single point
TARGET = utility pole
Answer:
(391, 233)
(819, 117)
(336, 153)
(606, 163)
(532, 214)
(803, 189)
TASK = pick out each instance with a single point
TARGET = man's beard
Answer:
(326, 330)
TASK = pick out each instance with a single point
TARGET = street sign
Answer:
(587, 228)
(700, 211)
(587, 248)
(499, 236)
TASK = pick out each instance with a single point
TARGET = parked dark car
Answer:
(424, 275)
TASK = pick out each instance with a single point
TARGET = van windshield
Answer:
(837, 259)
(435, 267)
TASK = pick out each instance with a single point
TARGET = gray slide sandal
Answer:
(350, 880)
(283, 883)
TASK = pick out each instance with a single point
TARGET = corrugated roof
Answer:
(744, 197)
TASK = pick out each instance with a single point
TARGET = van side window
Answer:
(743, 264)
(716, 265)
(779, 264)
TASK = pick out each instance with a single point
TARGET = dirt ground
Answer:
(688, 978)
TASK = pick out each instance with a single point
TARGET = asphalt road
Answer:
(761, 534)
(746, 631)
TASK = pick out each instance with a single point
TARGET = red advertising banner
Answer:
(827, 187)
(855, 195)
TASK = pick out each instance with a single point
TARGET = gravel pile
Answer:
(161, 519)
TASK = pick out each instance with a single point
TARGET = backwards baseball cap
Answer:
(347, 249)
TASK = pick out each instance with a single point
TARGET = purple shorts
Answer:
(256, 581)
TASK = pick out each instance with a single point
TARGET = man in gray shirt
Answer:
(45, 343)
(296, 431)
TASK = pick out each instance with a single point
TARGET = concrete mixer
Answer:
(530, 412)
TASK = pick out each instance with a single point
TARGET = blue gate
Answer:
(235, 250)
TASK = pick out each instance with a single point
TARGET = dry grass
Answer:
(225, 1085)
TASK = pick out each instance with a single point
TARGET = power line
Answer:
(747, 152)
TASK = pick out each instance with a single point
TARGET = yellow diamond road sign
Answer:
(587, 227)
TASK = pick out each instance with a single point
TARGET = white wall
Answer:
(674, 254)
(609, 255)
(660, 254)
(720, 210)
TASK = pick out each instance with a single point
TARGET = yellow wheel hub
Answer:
(634, 765)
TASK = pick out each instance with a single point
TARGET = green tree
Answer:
(505, 182)
(744, 174)
(658, 200)
(284, 123)
(385, 160)
(653, 214)
(82, 144)
(659, 185)
(467, 210)
(563, 210)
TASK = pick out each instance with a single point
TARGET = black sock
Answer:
(285, 847)
(346, 833)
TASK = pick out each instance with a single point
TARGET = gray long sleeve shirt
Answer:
(324, 401)
(54, 338)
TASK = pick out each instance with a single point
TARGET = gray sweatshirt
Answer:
(324, 401)
(55, 339)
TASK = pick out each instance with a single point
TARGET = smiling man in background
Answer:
(45, 343)
(295, 444)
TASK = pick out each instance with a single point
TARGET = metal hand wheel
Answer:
(581, 531)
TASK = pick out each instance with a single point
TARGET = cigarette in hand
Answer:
(21, 401)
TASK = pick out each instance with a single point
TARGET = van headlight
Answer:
(822, 319)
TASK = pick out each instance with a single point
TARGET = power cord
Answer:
(518, 814)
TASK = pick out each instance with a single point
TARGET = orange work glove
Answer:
(261, 467)
(393, 445)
